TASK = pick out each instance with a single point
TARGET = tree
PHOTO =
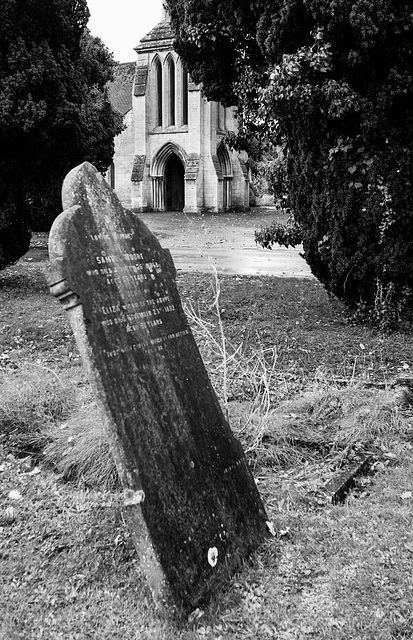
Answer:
(54, 111)
(332, 80)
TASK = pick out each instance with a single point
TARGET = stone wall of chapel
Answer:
(195, 141)
(237, 183)
(208, 137)
(230, 119)
(240, 190)
(141, 115)
(140, 195)
(196, 137)
(123, 159)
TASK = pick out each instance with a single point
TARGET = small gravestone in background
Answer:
(190, 500)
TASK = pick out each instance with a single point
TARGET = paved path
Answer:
(224, 240)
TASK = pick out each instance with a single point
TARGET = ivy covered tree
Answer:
(54, 111)
(332, 81)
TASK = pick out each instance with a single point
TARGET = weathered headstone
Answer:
(191, 502)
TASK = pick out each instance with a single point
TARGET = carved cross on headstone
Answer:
(190, 499)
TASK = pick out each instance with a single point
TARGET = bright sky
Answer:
(120, 24)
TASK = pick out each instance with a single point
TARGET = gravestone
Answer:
(190, 500)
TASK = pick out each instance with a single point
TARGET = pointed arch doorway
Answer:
(168, 178)
(174, 184)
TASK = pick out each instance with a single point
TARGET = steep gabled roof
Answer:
(162, 31)
(159, 37)
(120, 89)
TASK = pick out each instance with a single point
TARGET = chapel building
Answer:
(172, 155)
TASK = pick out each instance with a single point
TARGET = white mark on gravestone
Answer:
(133, 497)
(9, 515)
(15, 495)
(213, 556)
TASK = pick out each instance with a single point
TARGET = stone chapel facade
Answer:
(172, 156)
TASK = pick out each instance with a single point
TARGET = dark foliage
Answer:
(54, 112)
(333, 82)
(14, 231)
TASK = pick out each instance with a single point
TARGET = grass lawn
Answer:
(305, 390)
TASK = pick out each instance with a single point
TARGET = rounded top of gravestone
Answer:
(79, 181)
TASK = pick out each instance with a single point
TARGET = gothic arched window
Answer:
(158, 93)
(171, 91)
(184, 97)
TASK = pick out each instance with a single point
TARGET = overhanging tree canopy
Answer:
(333, 81)
(54, 110)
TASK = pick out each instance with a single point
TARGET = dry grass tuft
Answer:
(79, 450)
(54, 418)
(31, 400)
(332, 424)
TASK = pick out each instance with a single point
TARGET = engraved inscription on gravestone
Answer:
(192, 505)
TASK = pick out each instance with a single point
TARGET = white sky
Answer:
(120, 24)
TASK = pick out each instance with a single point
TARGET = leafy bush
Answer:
(289, 235)
(269, 174)
(334, 82)
(350, 160)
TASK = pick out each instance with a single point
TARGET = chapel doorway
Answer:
(174, 184)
